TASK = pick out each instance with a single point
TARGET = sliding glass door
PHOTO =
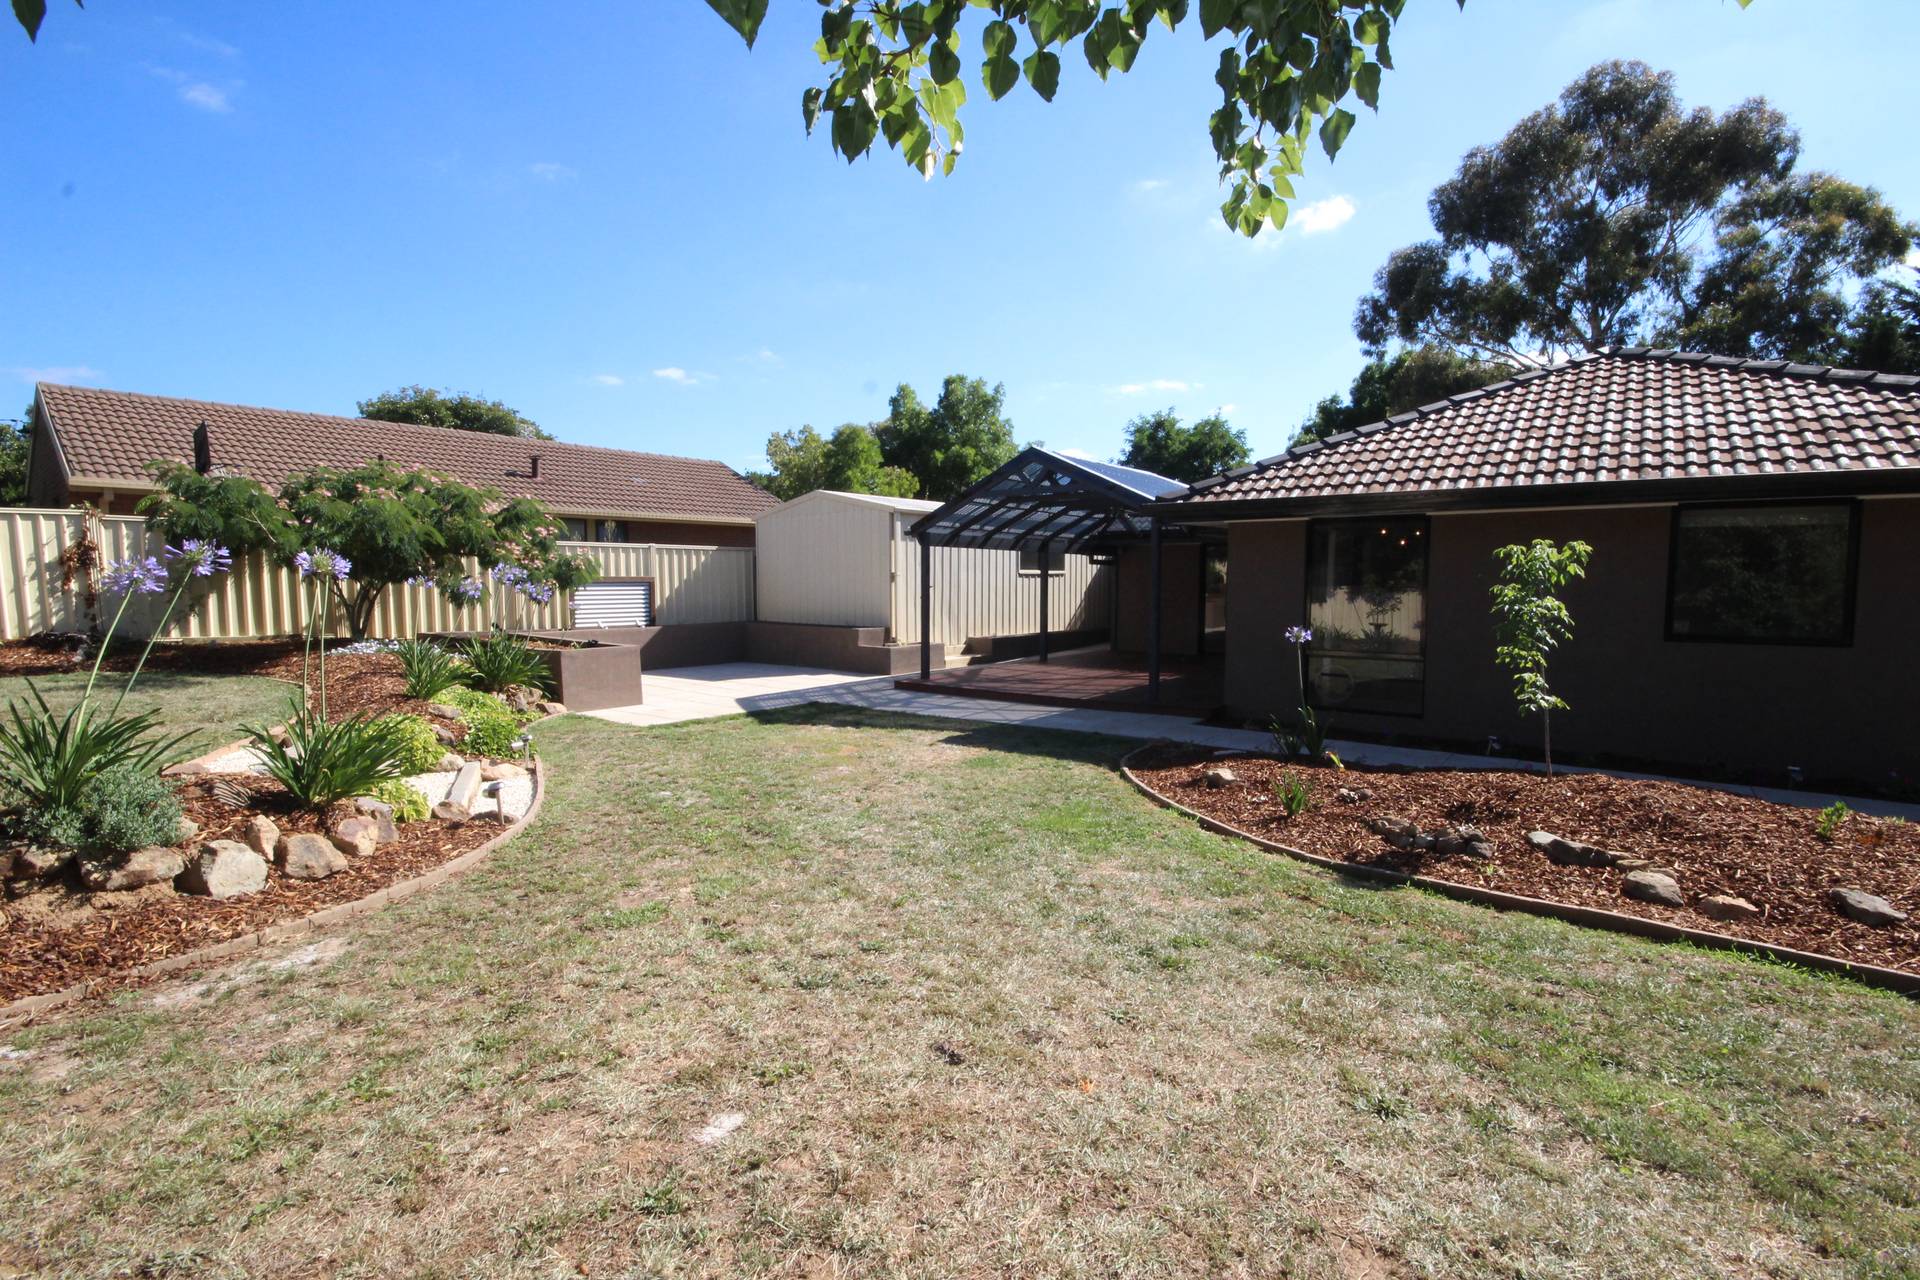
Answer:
(1367, 607)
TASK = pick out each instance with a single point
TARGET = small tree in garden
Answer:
(1530, 620)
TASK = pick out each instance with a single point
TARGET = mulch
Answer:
(1713, 842)
(56, 936)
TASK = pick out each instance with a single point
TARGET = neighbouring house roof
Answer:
(106, 438)
(1619, 424)
(1045, 497)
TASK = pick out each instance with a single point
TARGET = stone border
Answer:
(1902, 981)
(26, 1009)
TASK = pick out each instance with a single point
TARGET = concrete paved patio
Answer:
(736, 688)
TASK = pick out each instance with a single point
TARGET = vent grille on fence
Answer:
(613, 604)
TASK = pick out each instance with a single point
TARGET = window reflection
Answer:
(1367, 606)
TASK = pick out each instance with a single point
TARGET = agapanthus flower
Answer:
(201, 559)
(144, 575)
(511, 575)
(467, 590)
(1299, 635)
(318, 564)
(538, 592)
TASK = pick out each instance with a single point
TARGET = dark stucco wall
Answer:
(1179, 595)
(1849, 713)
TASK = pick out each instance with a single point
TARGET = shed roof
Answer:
(108, 437)
(903, 505)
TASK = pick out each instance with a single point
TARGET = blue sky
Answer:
(609, 216)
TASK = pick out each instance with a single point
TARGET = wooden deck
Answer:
(1086, 678)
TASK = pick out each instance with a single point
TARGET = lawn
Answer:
(211, 708)
(834, 994)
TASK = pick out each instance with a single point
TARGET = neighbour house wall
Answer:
(692, 584)
(831, 560)
(1835, 712)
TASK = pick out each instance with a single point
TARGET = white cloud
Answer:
(1149, 184)
(551, 171)
(1322, 215)
(1226, 409)
(682, 377)
(1913, 259)
(1157, 384)
(195, 92)
(207, 44)
(60, 373)
(609, 379)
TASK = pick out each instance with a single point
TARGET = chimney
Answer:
(533, 472)
(202, 449)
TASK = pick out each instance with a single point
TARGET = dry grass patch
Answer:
(832, 994)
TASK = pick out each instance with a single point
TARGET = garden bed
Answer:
(1711, 842)
(57, 934)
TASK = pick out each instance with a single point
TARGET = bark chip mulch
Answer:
(57, 935)
(1712, 842)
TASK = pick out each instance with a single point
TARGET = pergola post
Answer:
(1153, 611)
(926, 609)
(1046, 575)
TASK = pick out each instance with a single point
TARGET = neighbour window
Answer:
(576, 529)
(1770, 574)
(612, 531)
(1367, 608)
(1056, 560)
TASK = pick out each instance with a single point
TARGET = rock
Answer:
(552, 708)
(357, 836)
(519, 699)
(1571, 853)
(303, 855)
(442, 710)
(187, 830)
(458, 806)
(1220, 777)
(381, 814)
(185, 769)
(155, 864)
(1352, 795)
(450, 763)
(1725, 906)
(1397, 832)
(32, 862)
(503, 770)
(1858, 904)
(261, 835)
(223, 869)
(442, 734)
(1634, 864)
(1652, 886)
(1468, 841)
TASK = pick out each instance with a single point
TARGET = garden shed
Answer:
(848, 560)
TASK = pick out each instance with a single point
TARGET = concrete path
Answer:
(734, 688)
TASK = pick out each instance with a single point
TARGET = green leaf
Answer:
(1334, 131)
(30, 13)
(999, 75)
(1370, 27)
(1047, 20)
(743, 16)
(853, 129)
(1215, 15)
(943, 64)
(1043, 72)
(999, 40)
(810, 107)
(943, 102)
(1366, 84)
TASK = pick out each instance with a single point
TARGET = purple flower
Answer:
(1299, 635)
(125, 576)
(201, 559)
(466, 591)
(318, 564)
(511, 575)
(538, 592)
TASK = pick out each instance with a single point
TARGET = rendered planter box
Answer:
(586, 675)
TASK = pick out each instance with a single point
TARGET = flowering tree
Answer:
(377, 527)
(1529, 621)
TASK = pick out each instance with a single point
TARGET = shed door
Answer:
(614, 602)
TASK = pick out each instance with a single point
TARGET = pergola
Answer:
(1047, 500)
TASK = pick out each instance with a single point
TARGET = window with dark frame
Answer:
(1779, 573)
(1056, 560)
(1367, 608)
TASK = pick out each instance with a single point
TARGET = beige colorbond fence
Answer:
(691, 584)
(983, 593)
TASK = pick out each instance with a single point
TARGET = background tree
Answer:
(16, 438)
(1157, 442)
(1387, 385)
(1885, 331)
(963, 437)
(1613, 216)
(849, 461)
(392, 526)
(425, 407)
(1530, 621)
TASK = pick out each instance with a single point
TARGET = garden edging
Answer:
(1901, 981)
(26, 1008)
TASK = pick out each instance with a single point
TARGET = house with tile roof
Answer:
(96, 446)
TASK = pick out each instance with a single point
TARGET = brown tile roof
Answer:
(109, 436)
(1631, 415)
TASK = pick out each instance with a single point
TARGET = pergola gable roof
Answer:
(1045, 497)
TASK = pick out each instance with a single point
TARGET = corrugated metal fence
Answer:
(983, 593)
(691, 584)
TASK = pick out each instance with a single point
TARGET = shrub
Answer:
(492, 726)
(321, 763)
(1827, 826)
(419, 751)
(408, 802)
(118, 810)
(49, 760)
(501, 661)
(430, 669)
